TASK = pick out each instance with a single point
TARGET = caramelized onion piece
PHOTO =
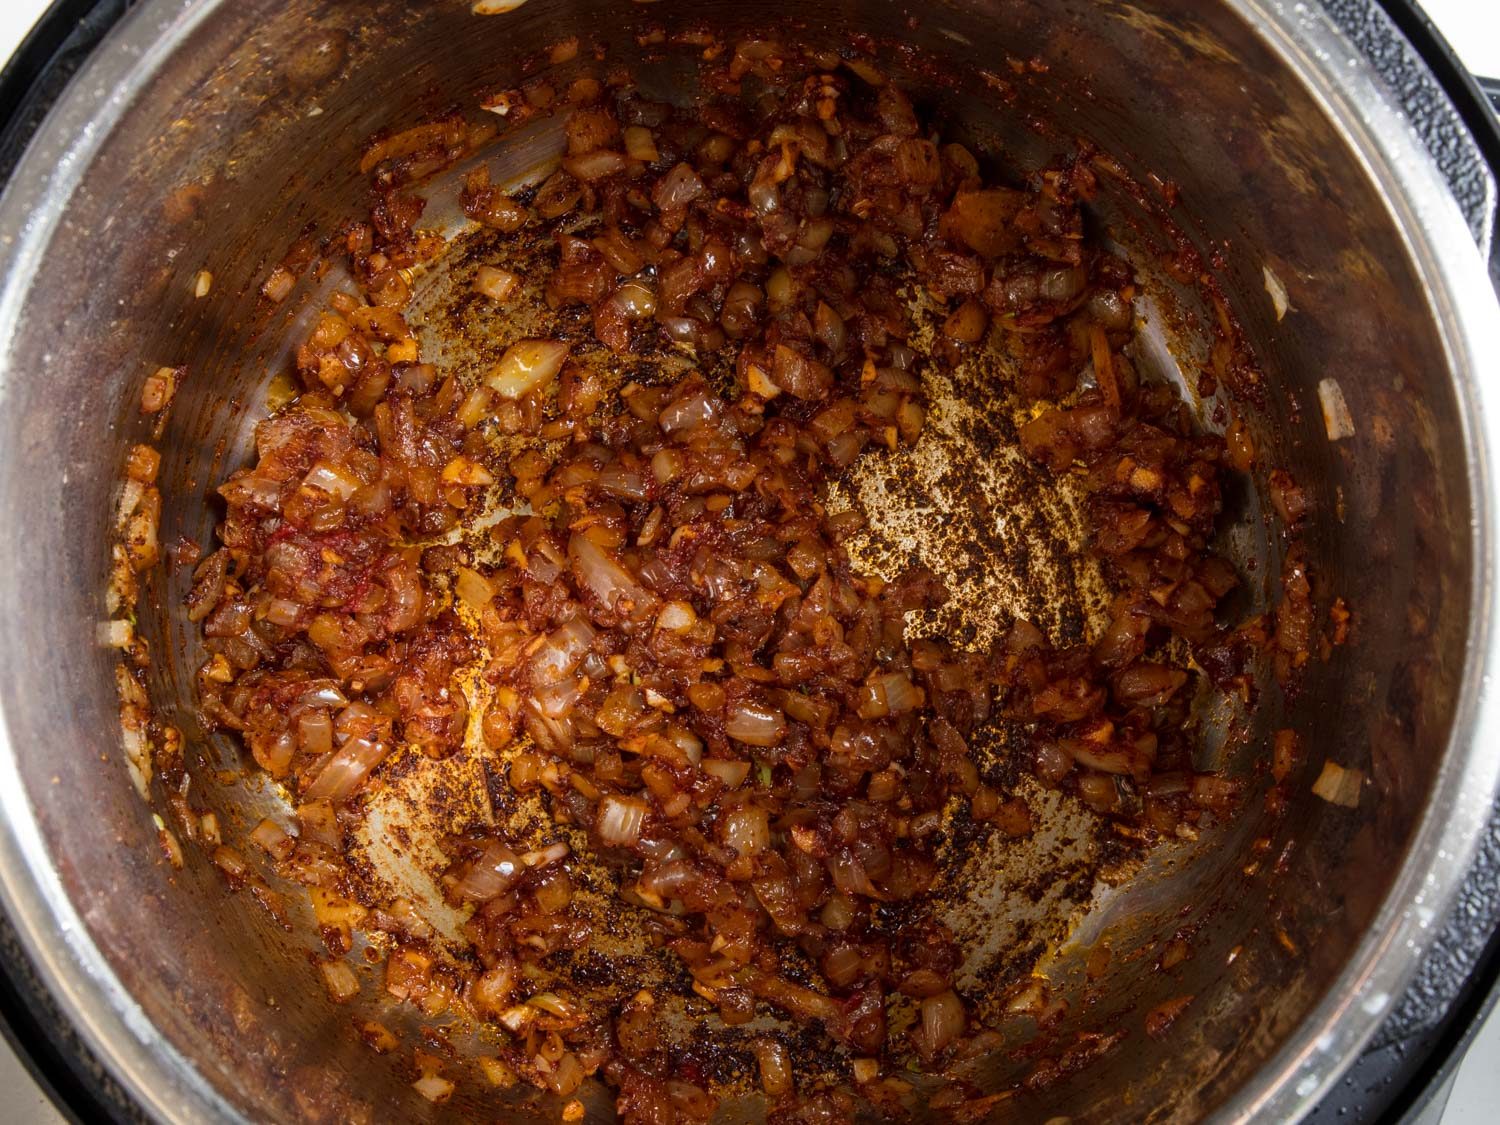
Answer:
(347, 770)
(755, 724)
(525, 366)
(620, 820)
(609, 582)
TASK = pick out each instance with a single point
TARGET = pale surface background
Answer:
(1473, 27)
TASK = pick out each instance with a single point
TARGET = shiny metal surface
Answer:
(1286, 154)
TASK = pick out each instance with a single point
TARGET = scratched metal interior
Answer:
(1006, 536)
(268, 130)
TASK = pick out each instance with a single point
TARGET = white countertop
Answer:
(1473, 26)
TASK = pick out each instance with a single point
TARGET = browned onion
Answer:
(347, 770)
(677, 188)
(525, 366)
(747, 830)
(755, 724)
(562, 650)
(943, 1021)
(620, 820)
(596, 165)
(694, 410)
(606, 579)
(490, 874)
(775, 1067)
(495, 283)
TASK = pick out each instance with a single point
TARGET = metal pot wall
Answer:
(203, 134)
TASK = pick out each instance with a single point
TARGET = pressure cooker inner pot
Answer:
(1252, 228)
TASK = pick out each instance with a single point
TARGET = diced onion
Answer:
(340, 981)
(497, 284)
(271, 838)
(849, 875)
(231, 863)
(278, 284)
(620, 820)
(689, 413)
(282, 612)
(640, 144)
(1338, 421)
(157, 392)
(116, 634)
(889, 694)
(636, 299)
(556, 700)
(942, 1020)
(434, 1087)
(747, 830)
(473, 588)
(838, 913)
(623, 567)
(627, 484)
(142, 464)
(410, 141)
(666, 465)
(596, 165)
(732, 774)
(527, 365)
(564, 647)
(755, 724)
(1339, 785)
(842, 966)
(566, 1076)
(493, 990)
(323, 693)
(676, 617)
(606, 579)
(775, 1067)
(1280, 302)
(497, 1072)
(490, 874)
(332, 479)
(677, 188)
(552, 853)
(347, 770)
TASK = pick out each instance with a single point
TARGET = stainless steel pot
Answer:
(204, 132)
